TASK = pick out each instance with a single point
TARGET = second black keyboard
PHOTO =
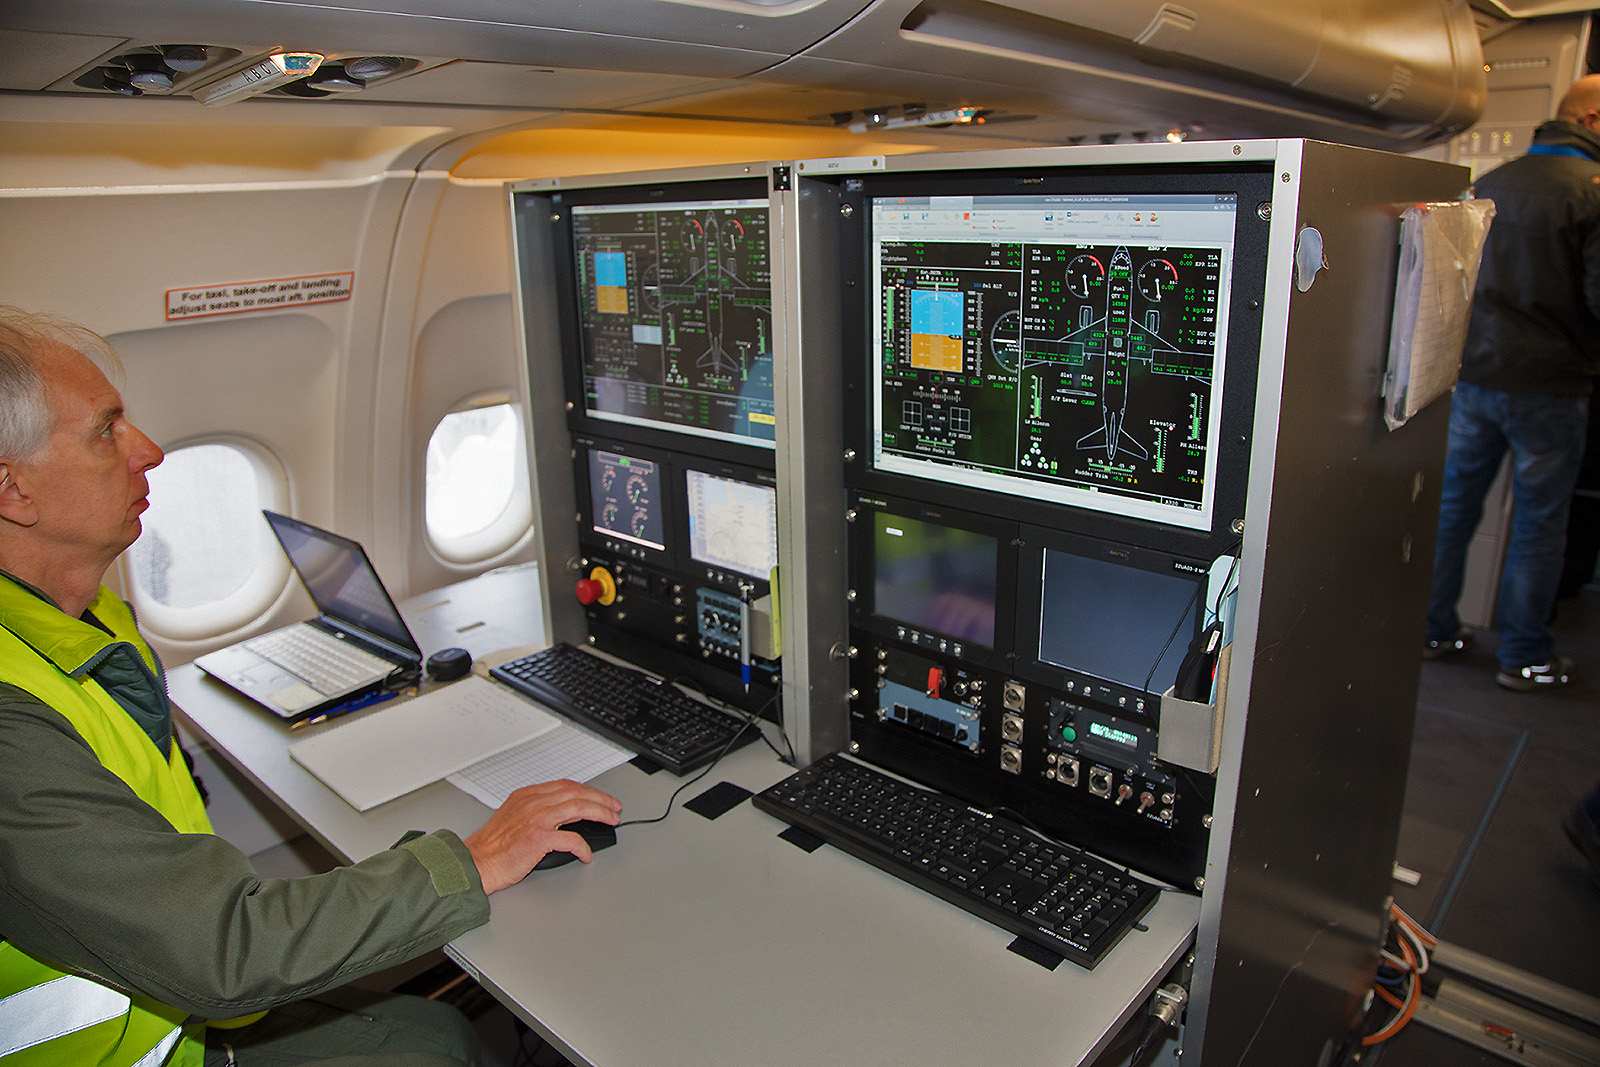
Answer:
(1053, 894)
(653, 718)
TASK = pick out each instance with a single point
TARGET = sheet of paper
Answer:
(404, 746)
(567, 751)
(1441, 246)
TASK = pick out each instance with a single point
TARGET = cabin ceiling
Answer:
(1386, 73)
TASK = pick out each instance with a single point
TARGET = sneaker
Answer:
(1449, 646)
(1551, 675)
(1584, 837)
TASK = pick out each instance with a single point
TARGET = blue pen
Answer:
(344, 709)
(744, 634)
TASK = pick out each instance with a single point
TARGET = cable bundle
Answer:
(1402, 971)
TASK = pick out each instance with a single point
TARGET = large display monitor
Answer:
(1049, 377)
(1061, 347)
(672, 301)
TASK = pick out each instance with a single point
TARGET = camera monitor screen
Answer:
(675, 316)
(1066, 348)
(1116, 622)
(935, 578)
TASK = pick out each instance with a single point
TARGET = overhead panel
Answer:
(708, 38)
(1402, 70)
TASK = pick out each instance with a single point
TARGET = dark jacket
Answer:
(1535, 324)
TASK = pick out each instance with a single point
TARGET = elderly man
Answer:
(124, 923)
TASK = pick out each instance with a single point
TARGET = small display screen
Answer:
(732, 524)
(936, 578)
(625, 494)
(1115, 622)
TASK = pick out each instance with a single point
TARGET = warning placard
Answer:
(235, 297)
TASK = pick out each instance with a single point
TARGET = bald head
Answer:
(1582, 102)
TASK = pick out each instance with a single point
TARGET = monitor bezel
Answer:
(1250, 182)
(863, 579)
(736, 472)
(580, 419)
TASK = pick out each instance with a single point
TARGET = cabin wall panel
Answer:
(300, 381)
(447, 336)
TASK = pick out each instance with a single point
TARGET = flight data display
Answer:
(732, 524)
(1064, 348)
(675, 313)
(625, 494)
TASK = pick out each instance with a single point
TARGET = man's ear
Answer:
(16, 503)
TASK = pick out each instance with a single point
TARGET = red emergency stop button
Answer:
(599, 588)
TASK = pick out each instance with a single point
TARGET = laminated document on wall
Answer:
(1441, 246)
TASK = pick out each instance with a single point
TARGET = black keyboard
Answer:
(1053, 894)
(653, 718)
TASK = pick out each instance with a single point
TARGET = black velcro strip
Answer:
(1030, 950)
(718, 800)
(802, 839)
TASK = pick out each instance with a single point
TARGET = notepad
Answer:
(403, 747)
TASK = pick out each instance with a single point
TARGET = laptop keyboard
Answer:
(1051, 893)
(326, 664)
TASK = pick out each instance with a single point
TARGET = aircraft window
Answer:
(207, 563)
(477, 502)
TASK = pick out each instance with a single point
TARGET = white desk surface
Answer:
(709, 942)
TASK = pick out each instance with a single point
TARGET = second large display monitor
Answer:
(1050, 387)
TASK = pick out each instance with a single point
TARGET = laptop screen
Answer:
(341, 580)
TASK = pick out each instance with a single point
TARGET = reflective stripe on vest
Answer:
(143, 1033)
(63, 1006)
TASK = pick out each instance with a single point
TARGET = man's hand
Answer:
(525, 827)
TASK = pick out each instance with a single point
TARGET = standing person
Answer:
(124, 922)
(1532, 350)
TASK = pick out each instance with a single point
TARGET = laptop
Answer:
(356, 643)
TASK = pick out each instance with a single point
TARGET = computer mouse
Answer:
(598, 834)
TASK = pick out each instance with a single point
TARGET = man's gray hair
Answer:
(26, 418)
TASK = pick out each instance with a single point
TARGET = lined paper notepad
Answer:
(568, 751)
(403, 747)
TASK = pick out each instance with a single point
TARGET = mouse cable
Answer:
(750, 720)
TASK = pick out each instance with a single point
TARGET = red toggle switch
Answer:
(935, 681)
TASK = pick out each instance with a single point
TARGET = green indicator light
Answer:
(1068, 734)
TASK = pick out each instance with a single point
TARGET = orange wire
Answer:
(1413, 998)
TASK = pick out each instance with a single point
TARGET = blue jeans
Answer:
(1545, 435)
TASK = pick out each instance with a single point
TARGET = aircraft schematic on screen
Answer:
(677, 316)
(1085, 365)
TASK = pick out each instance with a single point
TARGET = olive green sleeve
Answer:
(94, 880)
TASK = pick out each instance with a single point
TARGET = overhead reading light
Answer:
(269, 73)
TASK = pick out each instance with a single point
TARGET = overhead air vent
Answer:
(340, 76)
(208, 72)
(157, 69)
